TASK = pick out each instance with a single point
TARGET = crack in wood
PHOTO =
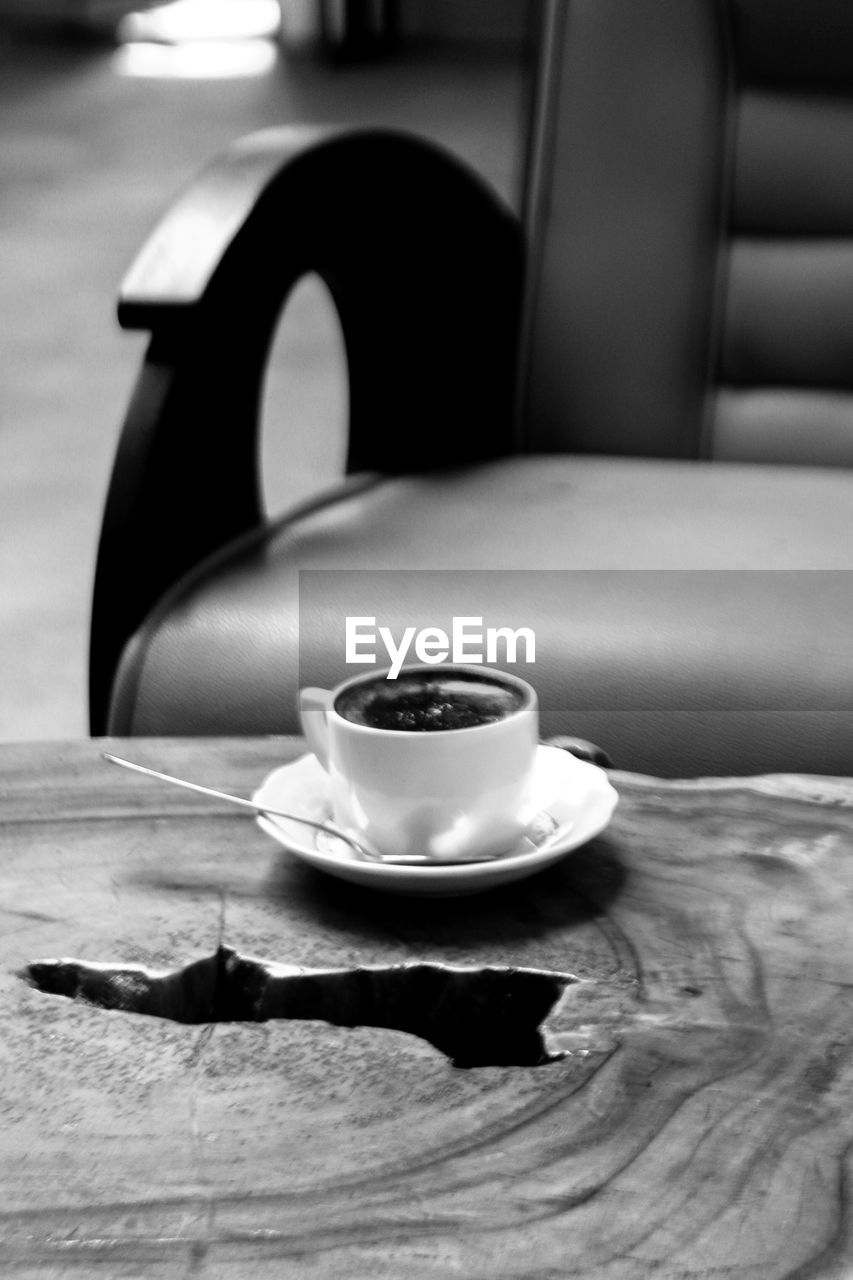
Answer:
(477, 1017)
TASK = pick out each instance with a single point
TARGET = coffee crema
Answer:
(429, 702)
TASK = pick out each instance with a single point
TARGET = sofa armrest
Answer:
(424, 265)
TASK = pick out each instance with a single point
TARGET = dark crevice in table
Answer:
(477, 1017)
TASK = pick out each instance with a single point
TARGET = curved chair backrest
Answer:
(690, 217)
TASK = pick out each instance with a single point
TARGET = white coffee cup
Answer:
(448, 792)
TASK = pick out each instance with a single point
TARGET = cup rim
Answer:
(530, 703)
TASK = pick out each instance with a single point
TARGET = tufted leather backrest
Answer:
(690, 215)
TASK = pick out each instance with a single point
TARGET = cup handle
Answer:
(314, 705)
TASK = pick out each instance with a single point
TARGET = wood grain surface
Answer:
(697, 1122)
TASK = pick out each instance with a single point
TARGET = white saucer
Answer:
(576, 800)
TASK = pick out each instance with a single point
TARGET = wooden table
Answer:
(698, 1123)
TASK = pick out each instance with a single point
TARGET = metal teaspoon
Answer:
(364, 851)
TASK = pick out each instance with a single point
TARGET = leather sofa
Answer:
(623, 420)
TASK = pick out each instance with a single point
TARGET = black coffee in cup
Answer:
(429, 701)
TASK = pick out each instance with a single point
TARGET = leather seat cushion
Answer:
(690, 617)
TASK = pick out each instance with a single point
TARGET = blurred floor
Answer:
(88, 157)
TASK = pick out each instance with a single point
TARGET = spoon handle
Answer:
(195, 786)
(258, 810)
(370, 855)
